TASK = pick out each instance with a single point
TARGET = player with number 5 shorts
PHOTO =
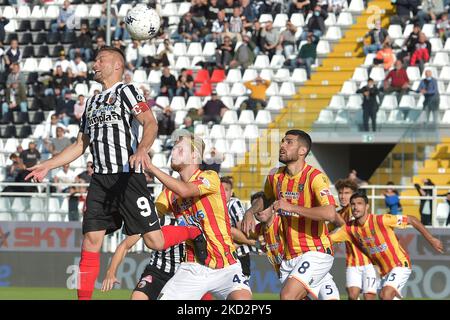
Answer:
(374, 235)
(199, 198)
(300, 195)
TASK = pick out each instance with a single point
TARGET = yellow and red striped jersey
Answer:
(309, 188)
(354, 256)
(274, 247)
(376, 238)
(210, 209)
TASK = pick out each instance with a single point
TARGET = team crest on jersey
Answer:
(112, 99)
(301, 186)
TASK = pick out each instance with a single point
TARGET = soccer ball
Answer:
(142, 22)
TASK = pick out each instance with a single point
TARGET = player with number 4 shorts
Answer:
(300, 195)
(199, 198)
(374, 235)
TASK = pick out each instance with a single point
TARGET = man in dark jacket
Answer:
(404, 10)
(377, 36)
(370, 104)
(3, 23)
(82, 45)
(316, 23)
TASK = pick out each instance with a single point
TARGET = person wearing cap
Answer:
(213, 110)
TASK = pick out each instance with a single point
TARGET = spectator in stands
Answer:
(270, 39)
(86, 176)
(82, 45)
(235, 24)
(133, 56)
(249, 11)
(218, 28)
(14, 170)
(101, 22)
(429, 9)
(58, 144)
(255, 37)
(3, 22)
(213, 110)
(288, 40)
(392, 200)
(59, 80)
(422, 52)
(212, 10)
(397, 80)
(377, 37)
(316, 23)
(212, 160)
(128, 77)
(228, 7)
(116, 43)
(187, 31)
(305, 57)
(99, 43)
(15, 93)
(161, 59)
(300, 6)
(244, 55)
(65, 107)
(185, 85)
(425, 205)
(224, 54)
(79, 69)
(409, 45)
(166, 122)
(64, 175)
(428, 87)
(199, 9)
(385, 56)
(62, 61)
(50, 128)
(336, 6)
(79, 107)
(121, 32)
(66, 18)
(169, 82)
(257, 99)
(353, 175)
(30, 156)
(443, 27)
(188, 124)
(370, 104)
(13, 54)
(404, 10)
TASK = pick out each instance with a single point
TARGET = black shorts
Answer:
(152, 281)
(245, 263)
(116, 198)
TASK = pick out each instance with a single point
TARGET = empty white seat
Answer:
(428, 29)
(217, 132)
(37, 205)
(139, 76)
(234, 75)
(246, 117)
(222, 89)
(277, 61)
(381, 116)
(234, 131)
(275, 103)
(228, 161)
(238, 146)
(323, 47)
(201, 130)
(446, 117)
(377, 74)
(282, 74)
(54, 204)
(30, 65)
(11, 145)
(9, 12)
(196, 60)
(11, 26)
(337, 102)
(179, 117)
(272, 90)
(238, 89)
(263, 117)
(280, 20)
(95, 11)
(266, 74)
(20, 204)
(325, 116)
(21, 216)
(209, 49)
(52, 12)
(5, 204)
(169, 9)
(444, 103)
(23, 12)
(239, 101)
(124, 8)
(249, 75)
(183, 62)
(445, 73)
(154, 77)
(37, 12)
(299, 75)
(54, 217)
(261, 62)
(5, 216)
(360, 74)
(162, 101)
(330, 20)
(396, 116)
(251, 131)
(37, 217)
(229, 117)
(368, 61)
(184, 8)
(389, 102)
(349, 87)
(356, 6)
(447, 45)
(194, 102)
(221, 145)
(395, 31)
(407, 101)
(342, 117)
(195, 49)
(227, 101)
(436, 44)
(178, 103)
(297, 19)
(354, 102)
(333, 33)
(345, 19)
(81, 88)
(413, 73)
(81, 11)
(265, 17)
(441, 59)
(287, 89)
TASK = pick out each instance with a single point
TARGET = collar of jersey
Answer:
(113, 87)
(298, 174)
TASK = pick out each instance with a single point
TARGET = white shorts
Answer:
(363, 277)
(309, 269)
(326, 290)
(192, 280)
(396, 279)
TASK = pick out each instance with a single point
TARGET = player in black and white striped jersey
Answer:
(236, 211)
(160, 269)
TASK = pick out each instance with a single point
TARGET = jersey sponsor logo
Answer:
(104, 118)
(285, 213)
(289, 195)
(325, 192)
(205, 181)
(183, 206)
(377, 249)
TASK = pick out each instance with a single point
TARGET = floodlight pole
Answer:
(108, 22)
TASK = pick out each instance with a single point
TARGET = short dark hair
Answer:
(302, 136)
(259, 195)
(346, 183)
(227, 180)
(113, 49)
(359, 195)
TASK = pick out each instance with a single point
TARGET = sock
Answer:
(207, 296)
(177, 234)
(89, 269)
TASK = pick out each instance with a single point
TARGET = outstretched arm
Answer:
(327, 212)
(240, 238)
(117, 259)
(435, 243)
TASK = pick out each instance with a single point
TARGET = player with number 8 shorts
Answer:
(300, 195)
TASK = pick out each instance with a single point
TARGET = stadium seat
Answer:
(356, 6)
(228, 161)
(53, 38)
(95, 11)
(52, 12)
(194, 102)
(179, 117)
(124, 9)
(229, 117)
(395, 31)
(407, 102)
(377, 74)
(19, 204)
(54, 217)
(249, 75)
(325, 117)
(441, 59)
(277, 61)
(265, 17)
(275, 103)
(162, 101)
(234, 75)
(445, 73)
(218, 75)
(337, 102)
(413, 73)
(217, 132)
(354, 102)
(154, 77)
(5, 216)
(389, 102)
(345, 19)
(202, 76)
(433, 70)
(222, 89)
(183, 8)
(333, 33)
(234, 131)
(280, 20)
(221, 145)
(360, 75)
(209, 49)
(429, 30)
(297, 19)
(28, 52)
(272, 90)
(68, 37)
(9, 12)
(323, 48)
(204, 90)
(227, 101)
(239, 101)
(178, 103)
(282, 74)
(38, 25)
(179, 49)
(36, 205)
(342, 117)
(37, 13)
(139, 76)
(159, 160)
(266, 74)
(238, 146)
(30, 65)
(195, 49)
(436, 44)
(261, 62)
(299, 76)
(246, 117)
(43, 52)
(169, 9)
(24, 25)
(251, 131)
(238, 89)
(330, 20)
(5, 204)
(381, 117)
(444, 103)
(446, 117)
(183, 62)
(368, 61)
(263, 117)
(287, 89)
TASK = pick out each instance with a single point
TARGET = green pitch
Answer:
(19, 293)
